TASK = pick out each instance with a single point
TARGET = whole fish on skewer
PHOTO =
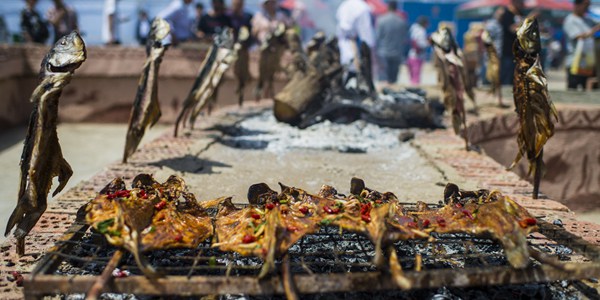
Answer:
(42, 158)
(146, 109)
(532, 101)
(452, 75)
(271, 52)
(492, 71)
(241, 67)
(205, 89)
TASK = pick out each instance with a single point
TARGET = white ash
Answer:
(263, 131)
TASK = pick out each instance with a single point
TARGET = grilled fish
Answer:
(532, 101)
(271, 51)
(149, 216)
(492, 72)
(241, 67)
(42, 158)
(205, 89)
(453, 81)
(145, 111)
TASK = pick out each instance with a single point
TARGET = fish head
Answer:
(67, 54)
(443, 39)
(486, 38)
(224, 39)
(159, 31)
(528, 36)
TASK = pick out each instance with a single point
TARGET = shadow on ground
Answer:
(190, 164)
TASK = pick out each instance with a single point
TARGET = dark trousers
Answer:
(507, 70)
(574, 81)
(389, 67)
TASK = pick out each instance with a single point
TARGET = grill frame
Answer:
(45, 280)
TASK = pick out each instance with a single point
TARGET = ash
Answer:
(263, 131)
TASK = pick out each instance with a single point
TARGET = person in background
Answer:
(577, 26)
(110, 23)
(198, 17)
(4, 34)
(418, 49)
(239, 17)
(177, 15)
(63, 19)
(353, 23)
(510, 20)
(142, 28)
(391, 34)
(33, 27)
(215, 21)
(267, 19)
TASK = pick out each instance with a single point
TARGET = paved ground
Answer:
(87, 147)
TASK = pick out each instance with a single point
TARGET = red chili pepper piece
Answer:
(378, 201)
(441, 222)
(458, 205)
(330, 210)
(160, 205)
(18, 278)
(110, 196)
(248, 238)
(467, 213)
(142, 194)
(122, 193)
(365, 208)
(179, 237)
(426, 223)
(411, 224)
(269, 205)
(528, 222)
(255, 216)
(304, 210)
(292, 228)
(366, 218)
(120, 274)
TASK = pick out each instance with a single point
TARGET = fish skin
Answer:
(241, 67)
(532, 101)
(145, 111)
(271, 51)
(453, 79)
(205, 88)
(42, 158)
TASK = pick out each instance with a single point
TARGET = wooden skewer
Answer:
(106, 275)
(288, 280)
(537, 176)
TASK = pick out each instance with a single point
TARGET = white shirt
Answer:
(418, 41)
(110, 8)
(573, 26)
(178, 16)
(354, 21)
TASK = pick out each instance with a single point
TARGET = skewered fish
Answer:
(145, 111)
(205, 89)
(452, 75)
(241, 67)
(271, 52)
(42, 158)
(492, 71)
(149, 216)
(274, 221)
(532, 101)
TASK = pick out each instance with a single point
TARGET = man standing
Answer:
(178, 16)
(353, 24)
(215, 21)
(578, 29)
(239, 17)
(33, 26)
(110, 23)
(63, 19)
(510, 20)
(418, 46)
(391, 33)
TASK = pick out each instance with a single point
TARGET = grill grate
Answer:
(328, 261)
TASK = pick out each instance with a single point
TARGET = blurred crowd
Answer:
(393, 40)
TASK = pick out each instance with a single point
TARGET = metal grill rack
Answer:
(328, 261)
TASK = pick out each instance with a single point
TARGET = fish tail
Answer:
(64, 173)
(15, 218)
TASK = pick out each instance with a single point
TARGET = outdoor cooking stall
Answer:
(330, 261)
